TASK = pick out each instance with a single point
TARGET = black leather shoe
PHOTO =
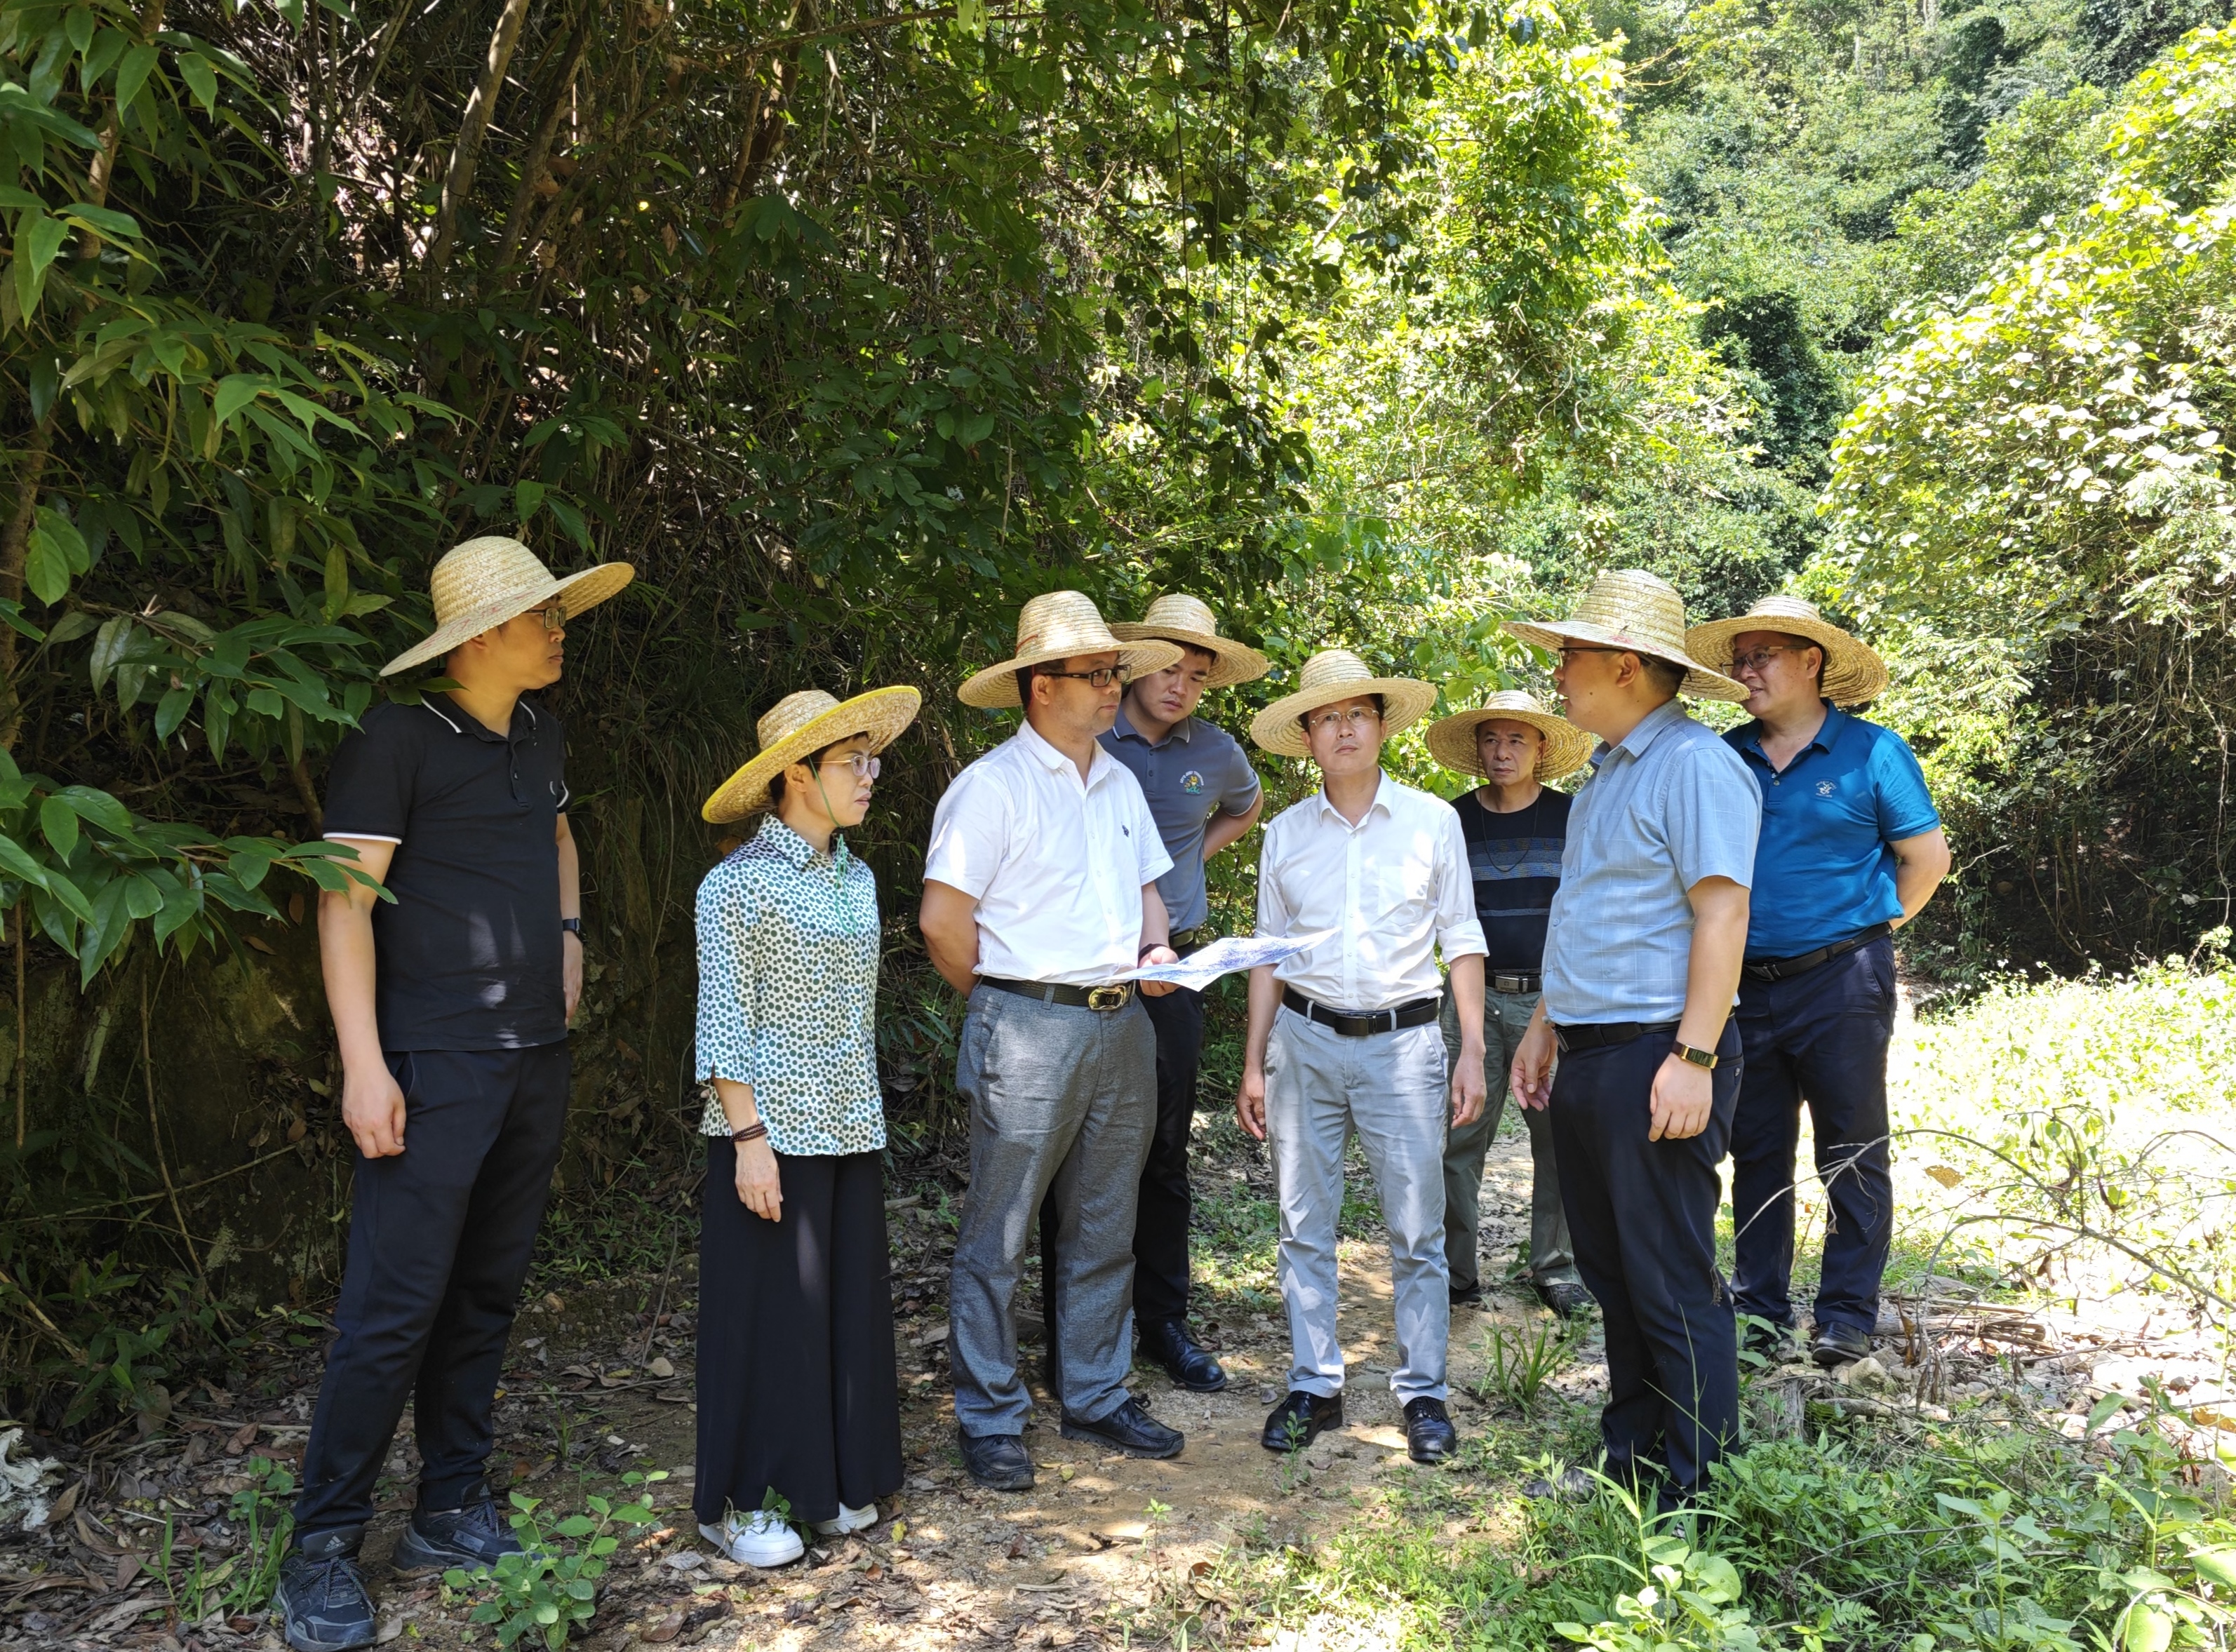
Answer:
(1837, 1343)
(1300, 1420)
(1430, 1436)
(1467, 1296)
(1129, 1429)
(1168, 1343)
(472, 1537)
(321, 1596)
(1567, 1298)
(997, 1461)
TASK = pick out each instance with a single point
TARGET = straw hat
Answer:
(483, 583)
(804, 723)
(1630, 609)
(1452, 740)
(1331, 675)
(1853, 673)
(1175, 618)
(1057, 626)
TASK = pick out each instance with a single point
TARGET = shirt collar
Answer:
(1650, 728)
(464, 722)
(1182, 731)
(1382, 794)
(1828, 733)
(794, 848)
(1055, 761)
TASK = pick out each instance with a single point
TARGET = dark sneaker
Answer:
(997, 1461)
(1430, 1436)
(1567, 1298)
(321, 1596)
(472, 1537)
(1129, 1429)
(1168, 1343)
(1570, 1485)
(1300, 1420)
(1837, 1343)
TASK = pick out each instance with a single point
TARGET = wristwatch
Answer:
(1685, 1052)
(572, 927)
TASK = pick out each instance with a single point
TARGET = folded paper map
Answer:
(1224, 957)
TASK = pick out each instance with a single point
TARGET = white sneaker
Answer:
(760, 1538)
(859, 1519)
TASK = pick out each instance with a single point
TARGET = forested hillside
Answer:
(854, 325)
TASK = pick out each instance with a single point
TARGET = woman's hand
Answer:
(757, 1179)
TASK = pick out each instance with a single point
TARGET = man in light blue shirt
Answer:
(1642, 956)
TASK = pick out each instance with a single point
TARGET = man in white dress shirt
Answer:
(1343, 1037)
(1040, 890)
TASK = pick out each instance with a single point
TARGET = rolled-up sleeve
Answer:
(1459, 932)
(728, 922)
(969, 834)
(1714, 811)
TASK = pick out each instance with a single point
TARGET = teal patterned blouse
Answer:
(788, 991)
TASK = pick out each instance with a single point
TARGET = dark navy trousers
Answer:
(1819, 1037)
(1642, 1218)
(439, 1241)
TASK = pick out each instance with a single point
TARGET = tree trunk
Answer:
(458, 179)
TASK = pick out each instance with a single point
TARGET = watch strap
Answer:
(1699, 1058)
(571, 926)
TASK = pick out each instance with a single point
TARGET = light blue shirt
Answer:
(1668, 805)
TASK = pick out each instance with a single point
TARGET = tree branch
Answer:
(458, 177)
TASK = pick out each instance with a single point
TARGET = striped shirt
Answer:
(1514, 859)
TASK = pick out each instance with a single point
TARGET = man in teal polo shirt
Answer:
(1851, 850)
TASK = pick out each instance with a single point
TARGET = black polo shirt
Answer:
(468, 957)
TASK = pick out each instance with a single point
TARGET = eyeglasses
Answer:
(1100, 677)
(1566, 649)
(1350, 722)
(863, 765)
(1758, 659)
(554, 616)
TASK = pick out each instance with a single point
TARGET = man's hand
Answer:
(1250, 1102)
(1531, 1076)
(1157, 955)
(757, 1179)
(1469, 1092)
(570, 955)
(372, 1110)
(1683, 1094)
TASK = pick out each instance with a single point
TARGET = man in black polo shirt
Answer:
(1515, 828)
(450, 1006)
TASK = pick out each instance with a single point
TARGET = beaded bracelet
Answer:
(751, 1133)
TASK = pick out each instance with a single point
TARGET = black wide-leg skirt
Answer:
(797, 1390)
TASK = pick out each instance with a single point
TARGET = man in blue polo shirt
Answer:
(1851, 849)
(1204, 795)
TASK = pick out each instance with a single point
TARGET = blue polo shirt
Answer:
(1822, 867)
(1196, 770)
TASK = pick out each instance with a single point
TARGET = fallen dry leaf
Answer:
(665, 1630)
(128, 1568)
(662, 1366)
(243, 1438)
(262, 946)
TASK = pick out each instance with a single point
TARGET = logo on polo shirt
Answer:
(1826, 788)
(1191, 782)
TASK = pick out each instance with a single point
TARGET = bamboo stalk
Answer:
(458, 177)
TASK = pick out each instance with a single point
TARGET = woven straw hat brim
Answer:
(882, 714)
(579, 593)
(997, 687)
(1854, 673)
(1452, 741)
(1404, 703)
(1234, 662)
(1700, 683)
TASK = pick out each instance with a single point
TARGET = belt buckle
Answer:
(1108, 998)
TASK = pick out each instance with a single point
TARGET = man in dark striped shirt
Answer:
(1515, 828)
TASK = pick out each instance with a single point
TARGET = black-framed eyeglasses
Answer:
(864, 766)
(1758, 659)
(1100, 677)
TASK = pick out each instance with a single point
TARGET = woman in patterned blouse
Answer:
(799, 1410)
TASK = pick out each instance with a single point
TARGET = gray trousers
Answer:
(1061, 1099)
(1389, 1089)
(1552, 1259)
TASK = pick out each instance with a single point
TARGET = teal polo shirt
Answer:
(1824, 869)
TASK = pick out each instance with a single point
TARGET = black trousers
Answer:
(1642, 1216)
(1161, 1223)
(797, 1390)
(439, 1241)
(1819, 1037)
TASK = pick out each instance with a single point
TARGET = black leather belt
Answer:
(1077, 998)
(1505, 980)
(1353, 1025)
(1593, 1035)
(1779, 969)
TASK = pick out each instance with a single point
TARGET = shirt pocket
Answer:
(1395, 891)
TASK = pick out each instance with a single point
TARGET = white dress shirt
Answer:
(1056, 865)
(1395, 886)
